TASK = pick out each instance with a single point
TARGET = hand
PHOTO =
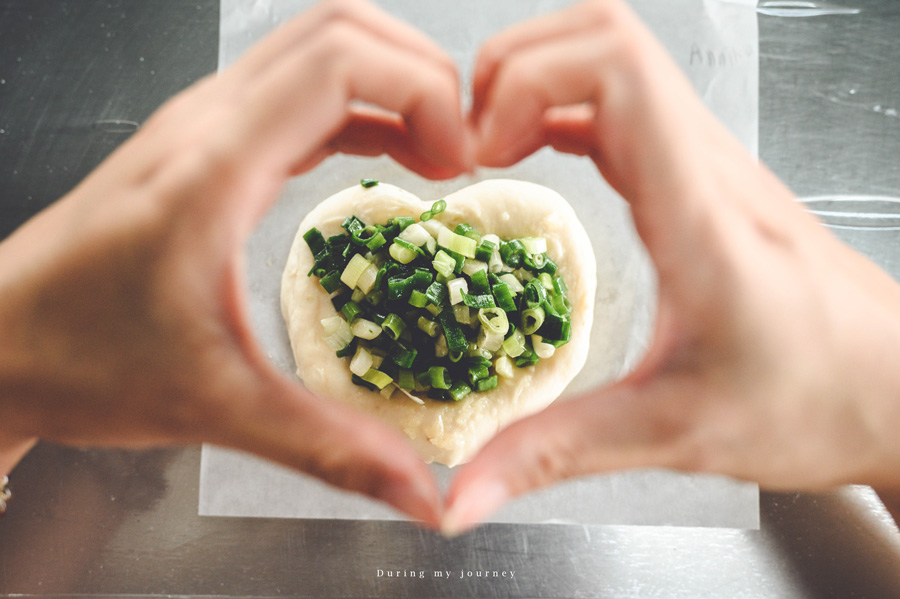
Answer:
(122, 316)
(772, 355)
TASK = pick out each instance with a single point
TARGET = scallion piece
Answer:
(459, 390)
(429, 327)
(535, 293)
(478, 301)
(314, 240)
(514, 345)
(494, 319)
(534, 245)
(443, 263)
(337, 332)
(331, 282)
(365, 329)
(393, 325)
(485, 250)
(406, 379)
(418, 299)
(367, 183)
(351, 310)
(487, 384)
(456, 243)
(377, 378)
(532, 319)
(354, 269)
(542, 349)
(456, 288)
(403, 356)
(361, 362)
(503, 298)
(436, 377)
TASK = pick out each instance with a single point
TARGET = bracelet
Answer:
(5, 494)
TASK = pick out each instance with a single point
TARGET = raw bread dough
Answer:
(446, 432)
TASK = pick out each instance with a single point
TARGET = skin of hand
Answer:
(773, 354)
(122, 316)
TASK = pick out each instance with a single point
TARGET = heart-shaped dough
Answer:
(446, 432)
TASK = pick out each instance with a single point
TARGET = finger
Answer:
(346, 63)
(575, 20)
(564, 72)
(615, 429)
(363, 14)
(375, 133)
(340, 446)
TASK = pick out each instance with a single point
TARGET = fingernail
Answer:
(472, 506)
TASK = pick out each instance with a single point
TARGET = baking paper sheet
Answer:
(715, 42)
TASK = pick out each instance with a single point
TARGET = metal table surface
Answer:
(77, 77)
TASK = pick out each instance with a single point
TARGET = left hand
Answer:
(122, 309)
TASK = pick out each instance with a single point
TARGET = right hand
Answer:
(774, 350)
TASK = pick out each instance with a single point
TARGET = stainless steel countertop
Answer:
(74, 76)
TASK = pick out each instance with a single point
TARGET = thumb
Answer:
(345, 448)
(615, 428)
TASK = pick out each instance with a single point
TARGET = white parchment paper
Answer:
(715, 42)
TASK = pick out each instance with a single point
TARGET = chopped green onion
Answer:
(546, 281)
(354, 269)
(532, 319)
(535, 293)
(406, 379)
(456, 339)
(418, 299)
(485, 250)
(462, 314)
(436, 377)
(472, 266)
(365, 329)
(351, 310)
(403, 356)
(487, 384)
(479, 282)
(443, 263)
(504, 367)
(314, 240)
(436, 209)
(489, 340)
(361, 362)
(534, 245)
(402, 254)
(337, 332)
(429, 327)
(376, 241)
(416, 235)
(403, 221)
(331, 282)
(467, 230)
(514, 345)
(477, 372)
(543, 350)
(367, 183)
(503, 297)
(393, 325)
(494, 319)
(456, 288)
(459, 390)
(456, 243)
(510, 280)
(377, 378)
(366, 281)
(478, 301)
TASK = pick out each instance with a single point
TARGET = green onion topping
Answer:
(438, 311)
